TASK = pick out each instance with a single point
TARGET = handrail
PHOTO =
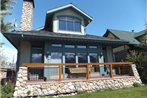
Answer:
(80, 64)
(73, 64)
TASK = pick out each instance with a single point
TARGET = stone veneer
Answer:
(27, 15)
(24, 88)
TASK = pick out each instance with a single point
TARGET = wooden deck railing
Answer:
(87, 65)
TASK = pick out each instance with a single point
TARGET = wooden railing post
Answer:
(60, 72)
(111, 73)
(88, 72)
(119, 70)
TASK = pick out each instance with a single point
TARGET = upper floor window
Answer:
(69, 23)
(56, 45)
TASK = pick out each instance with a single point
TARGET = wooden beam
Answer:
(111, 71)
(60, 72)
(88, 72)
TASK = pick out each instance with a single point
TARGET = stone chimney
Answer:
(27, 15)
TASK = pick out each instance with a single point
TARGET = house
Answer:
(62, 40)
(7, 75)
(137, 41)
(62, 50)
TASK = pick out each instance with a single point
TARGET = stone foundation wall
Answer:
(24, 88)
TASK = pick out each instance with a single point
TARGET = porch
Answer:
(77, 71)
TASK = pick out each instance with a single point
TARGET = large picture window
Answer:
(56, 57)
(37, 55)
(69, 23)
(70, 58)
(93, 57)
(82, 58)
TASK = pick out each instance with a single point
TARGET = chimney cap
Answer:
(31, 1)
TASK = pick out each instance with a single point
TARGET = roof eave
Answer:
(23, 35)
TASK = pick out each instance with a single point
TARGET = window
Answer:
(70, 58)
(93, 47)
(69, 23)
(56, 57)
(37, 55)
(93, 57)
(56, 45)
(69, 46)
(82, 58)
(81, 46)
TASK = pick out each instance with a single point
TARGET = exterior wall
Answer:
(121, 48)
(70, 13)
(109, 54)
(25, 52)
(111, 36)
(56, 88)
(121, 53)
(27, 15)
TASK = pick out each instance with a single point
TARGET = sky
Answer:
(125, 15)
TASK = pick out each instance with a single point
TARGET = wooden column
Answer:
(88, 72)
(60, 72)
(111, 72)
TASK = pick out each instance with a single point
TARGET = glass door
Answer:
(36, 57)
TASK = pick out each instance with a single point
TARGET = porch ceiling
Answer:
(51, 36)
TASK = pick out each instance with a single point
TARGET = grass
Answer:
(136, 92)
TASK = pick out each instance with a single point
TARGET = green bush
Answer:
(7, 90)
(136, 84)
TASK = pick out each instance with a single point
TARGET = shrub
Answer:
(136, 84)
(7, 90)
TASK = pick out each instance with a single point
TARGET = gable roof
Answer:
(68, 6)
(123, 35)
(87, 17)
(141, 33)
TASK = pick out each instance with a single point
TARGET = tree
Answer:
(137, 57)
(6, 5)
(2, 57)
(1, 44)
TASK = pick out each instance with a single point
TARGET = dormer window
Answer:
(69, 23)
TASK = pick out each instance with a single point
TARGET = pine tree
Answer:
(6, 6)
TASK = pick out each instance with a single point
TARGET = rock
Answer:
(45, 92)
(71, 87)
(15, 94)
(52, 92)
(39, 91)
(17, 84)
(19, 75)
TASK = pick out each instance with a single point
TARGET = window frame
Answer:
(74, 20)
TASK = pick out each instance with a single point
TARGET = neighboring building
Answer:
(7, 75)
(62, 40)
(137, 41)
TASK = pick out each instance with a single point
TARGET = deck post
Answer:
(88, 72)
(60, 72)
(111, 73)
(119, 70)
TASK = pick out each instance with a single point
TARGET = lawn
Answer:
(136, 92)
